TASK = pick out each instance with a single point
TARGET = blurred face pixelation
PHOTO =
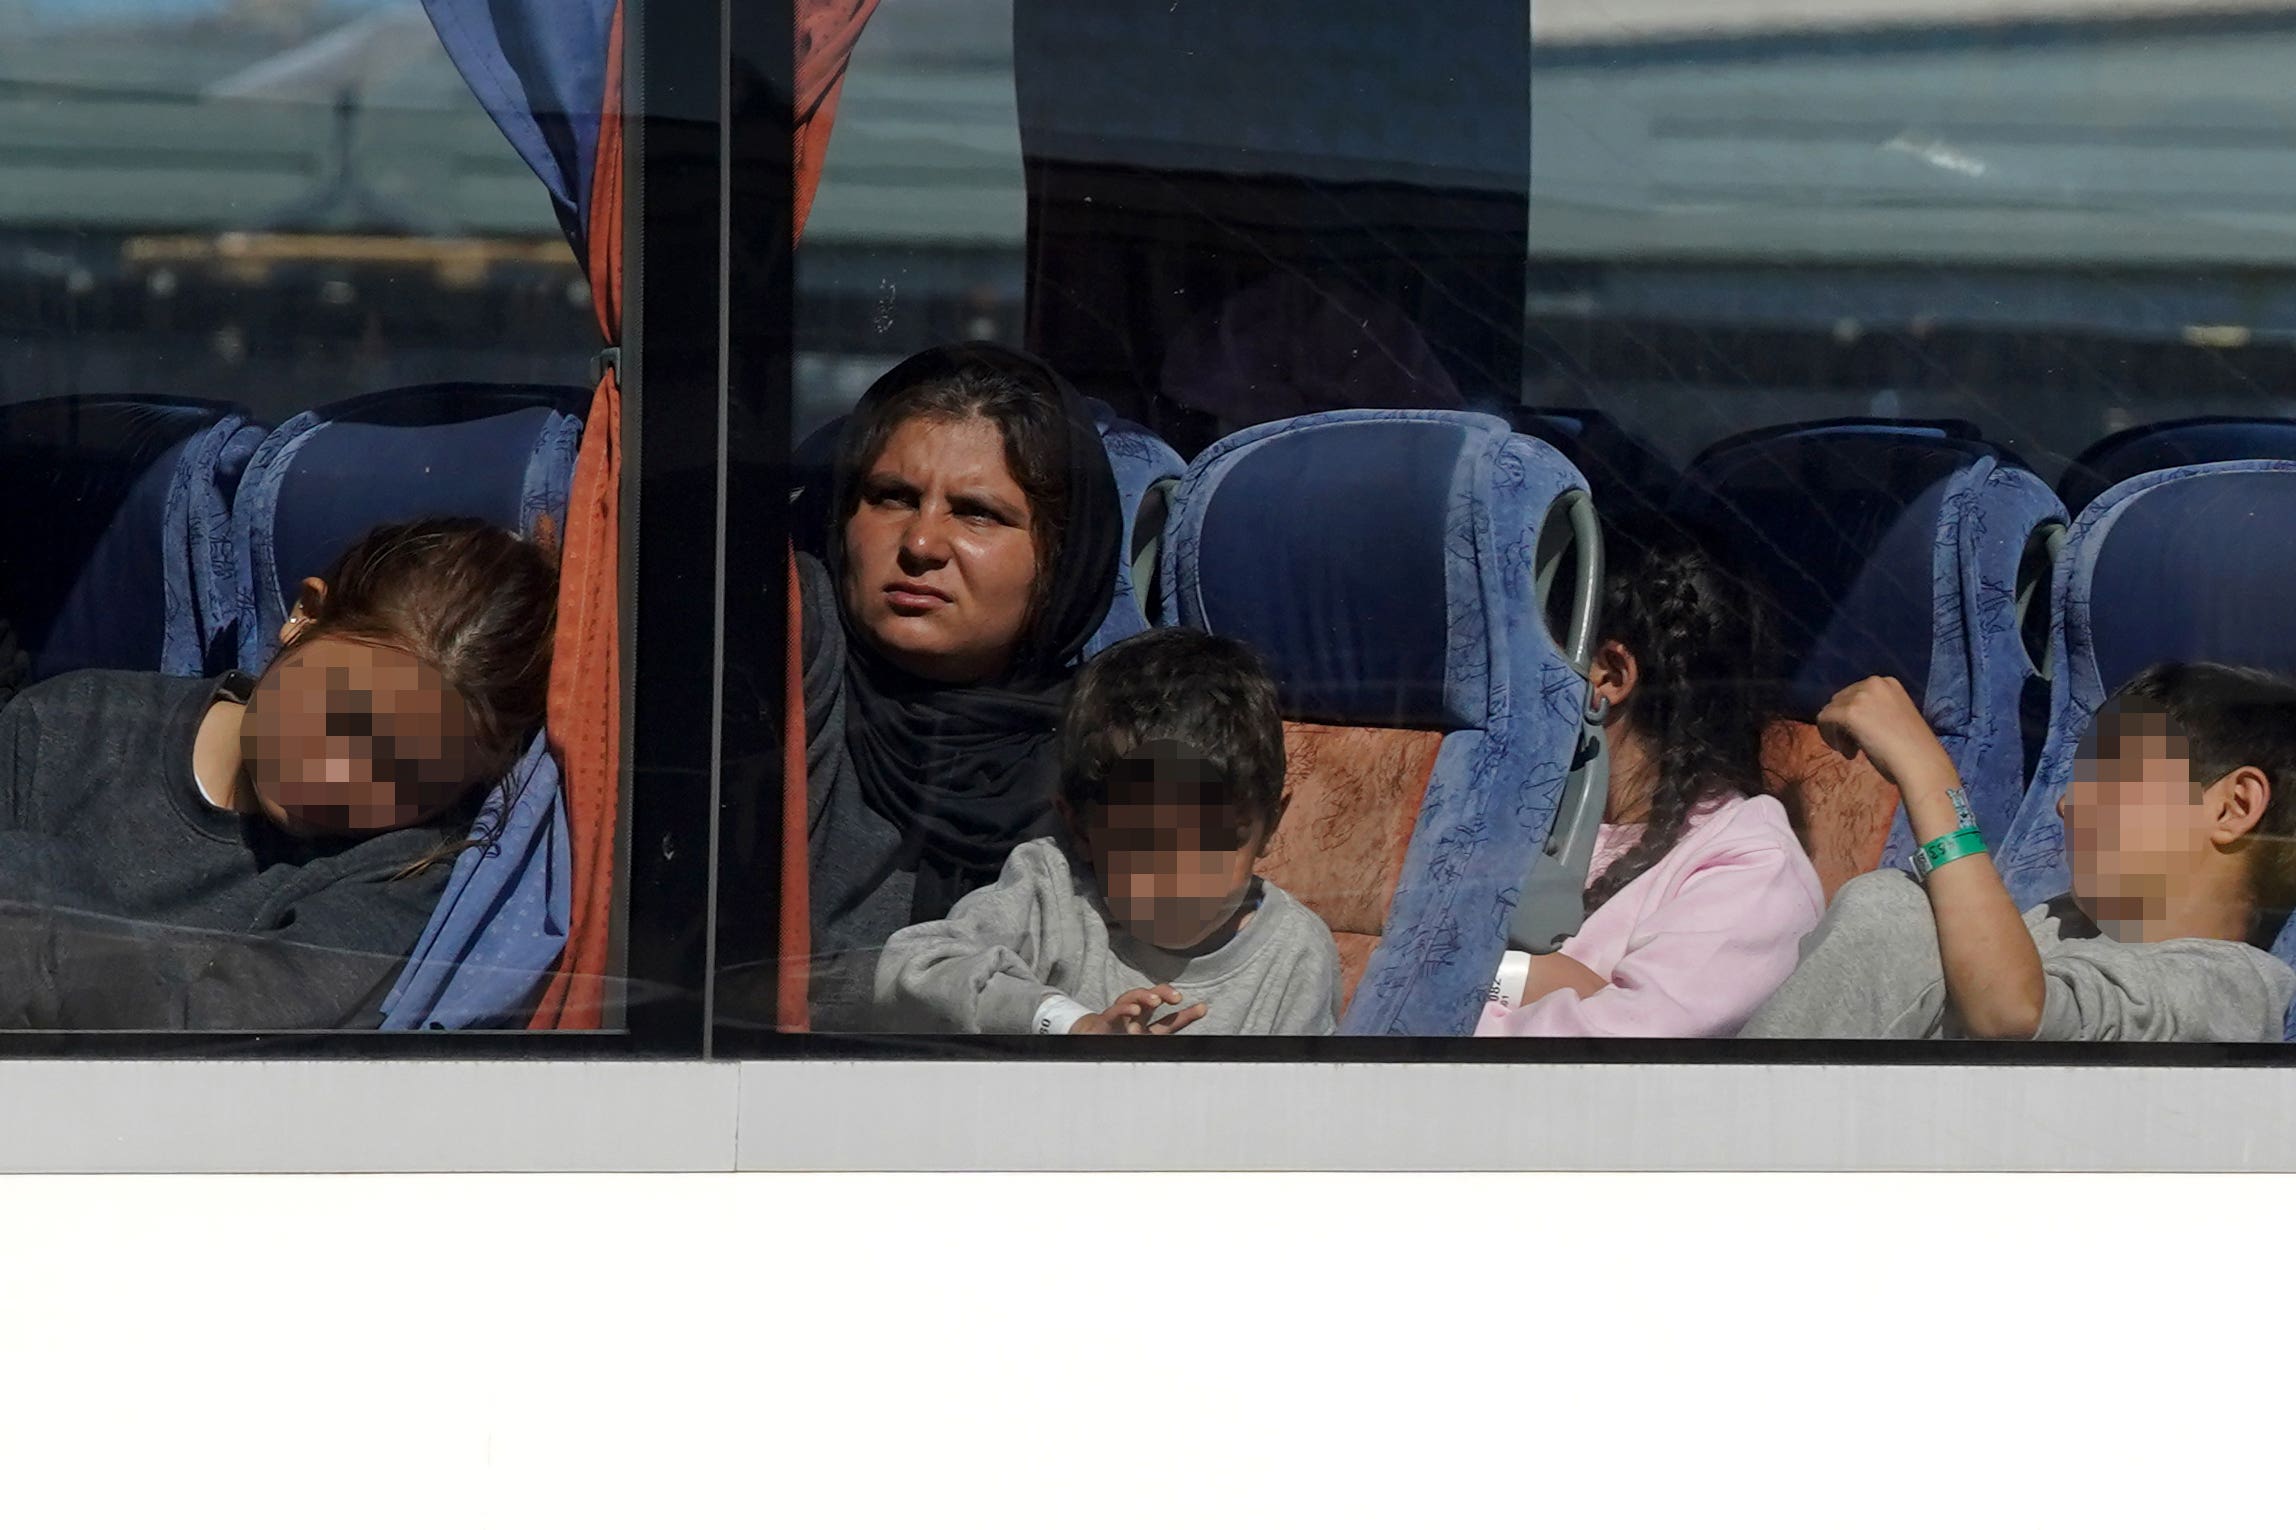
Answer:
(1173, 860)
(346, 737)
(2136, 822)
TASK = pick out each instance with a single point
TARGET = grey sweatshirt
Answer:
(1041, 930)
(1871, 969)
(127, 901)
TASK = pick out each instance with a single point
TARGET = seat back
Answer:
(1147, 471)
(2173, 443)
(115, 502)
(1626, 475)
(1897, 548)
(1388, 565)
(501, 453)
(2187, 563)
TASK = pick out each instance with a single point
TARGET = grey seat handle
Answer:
(1553, 901)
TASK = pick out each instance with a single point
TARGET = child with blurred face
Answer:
(184, 853)
(1150, 918)
(407, 675)
(2177, 836)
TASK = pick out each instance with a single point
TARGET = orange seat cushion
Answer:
(1355, 798)
(1841, 808)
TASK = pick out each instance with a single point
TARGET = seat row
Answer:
(1397, 569)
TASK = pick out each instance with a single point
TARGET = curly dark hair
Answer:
(1705, 652)
(1171, 712)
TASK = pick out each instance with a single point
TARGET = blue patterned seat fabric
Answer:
(1898, 548)
(1142, 462)
(1407, 600)
(2186, 563)
(501, 453)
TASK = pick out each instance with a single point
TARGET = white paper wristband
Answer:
(1514, 976)
(1057, 1015)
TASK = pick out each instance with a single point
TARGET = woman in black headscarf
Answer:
(971, 553)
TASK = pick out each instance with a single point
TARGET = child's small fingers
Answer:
(1183, 1019)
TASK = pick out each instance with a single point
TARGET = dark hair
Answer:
(1031, 420)
(1175, 694)
(1704, 650)
(2232, 716)
(475, 602)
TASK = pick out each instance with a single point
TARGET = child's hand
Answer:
(1128, 1016)
(1879, 718)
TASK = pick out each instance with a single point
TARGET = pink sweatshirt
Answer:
(1695, 944)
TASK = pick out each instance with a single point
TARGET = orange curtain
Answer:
(585, 721)
(826, 33)
(586, 665)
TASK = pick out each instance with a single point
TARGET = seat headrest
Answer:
(2194, 563)
(503, 454)
(2174, 443)
(1347, 549)
(1855, 427)
(1839, 523)
(87, 479)
(1627, 476)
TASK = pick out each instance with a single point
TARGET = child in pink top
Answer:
(1699, 894)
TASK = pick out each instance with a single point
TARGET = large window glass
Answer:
(273, 290)
(1682, 469)
(282, 205)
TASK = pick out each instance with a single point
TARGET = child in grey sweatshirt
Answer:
(1146, 918)
(2177, 827)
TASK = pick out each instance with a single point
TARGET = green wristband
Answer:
(1946, 849)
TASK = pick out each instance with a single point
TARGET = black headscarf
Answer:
(966, 771)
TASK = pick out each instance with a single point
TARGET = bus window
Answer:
(1475, 367)
(273, 289)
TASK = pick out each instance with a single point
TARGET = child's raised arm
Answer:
(1992, 968)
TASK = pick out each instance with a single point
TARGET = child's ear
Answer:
(310, 600)
(2238, 802)
(1614, 672)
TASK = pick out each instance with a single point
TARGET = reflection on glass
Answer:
(296, 365)
(1652, 492)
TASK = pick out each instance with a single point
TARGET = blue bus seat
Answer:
(2173, 443)
(119, 505)
(2187, 563)
(1145, 468)
(1387, 564)
(1147, 471)
(1902, 548)
(502, 453)
(1627, 475)
(502, 921)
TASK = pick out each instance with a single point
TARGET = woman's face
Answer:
(940, 556)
